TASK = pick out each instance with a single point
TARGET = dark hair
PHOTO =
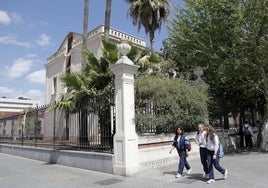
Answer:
(182, 130)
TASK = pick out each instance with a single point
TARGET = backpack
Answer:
(187, 143)
(246, 130)
(184, 143)
(221, 152)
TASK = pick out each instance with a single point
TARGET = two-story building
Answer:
(68, 57)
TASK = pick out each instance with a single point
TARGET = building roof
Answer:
(16, 105)
(114, 33)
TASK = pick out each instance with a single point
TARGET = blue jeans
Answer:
(203, 157)
(183, 162)
(214, 162)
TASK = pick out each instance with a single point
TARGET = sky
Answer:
(32, 30)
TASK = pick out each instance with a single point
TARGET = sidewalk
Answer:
(245, 169)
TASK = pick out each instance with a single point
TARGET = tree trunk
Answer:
(107, 19)
(151, 35)
(83, 129)
(241, 134)
(85, 27)
(264, 134)
(226, 121)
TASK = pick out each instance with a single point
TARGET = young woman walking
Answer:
(213, 158)
(200, 139)
(181, 142)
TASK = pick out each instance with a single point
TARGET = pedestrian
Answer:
(200, 140)
(181, 143)
(213, 158)
(248, 133)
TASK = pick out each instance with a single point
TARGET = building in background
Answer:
(68, 57)
(12, 115)
(14, 106)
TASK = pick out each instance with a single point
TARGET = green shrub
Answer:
(164, 104)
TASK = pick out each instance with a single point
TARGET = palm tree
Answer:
(85, 30)
(150, 14)
(107, 19)
(94, 78)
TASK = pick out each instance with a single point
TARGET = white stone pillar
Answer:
(125, 138)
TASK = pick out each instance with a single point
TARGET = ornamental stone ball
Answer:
(124, 48)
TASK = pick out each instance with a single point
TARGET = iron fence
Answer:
(89, 129)
(153, 118)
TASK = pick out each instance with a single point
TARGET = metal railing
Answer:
(89, 129)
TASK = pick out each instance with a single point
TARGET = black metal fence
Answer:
(90, 129)
(153, 118)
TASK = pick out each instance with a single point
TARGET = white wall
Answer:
(157, 154)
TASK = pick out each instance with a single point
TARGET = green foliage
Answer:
(31, 123)
(227, 39)
(163, 104)
(149, 14)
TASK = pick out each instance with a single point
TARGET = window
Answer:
(70, 40)
(54, 85)
(68, 64)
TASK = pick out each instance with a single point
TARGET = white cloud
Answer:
(4, 18)
(35, 95)
(43, 40)
(11, 39)
(15, 17)
(7, 18)
(5, 90)
(19, 67)
(32, 94)
(37, 77)
(31, 55)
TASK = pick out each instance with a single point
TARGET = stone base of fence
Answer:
(154, 151)
(102, 162)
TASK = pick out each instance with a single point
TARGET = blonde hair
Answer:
(211, 133)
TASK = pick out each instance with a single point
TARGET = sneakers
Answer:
(178, 176)
(210, 181)
(205, 176)
(225, 174)
(189, 171)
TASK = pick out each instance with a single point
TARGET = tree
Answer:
(107, 19)
(255, 41)
(149, 14)
(163, 104)
(94, 80)
(85, 29)
(226, 38)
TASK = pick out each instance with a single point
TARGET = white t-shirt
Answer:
(200, 139)
(178, 141)
(213, 146)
